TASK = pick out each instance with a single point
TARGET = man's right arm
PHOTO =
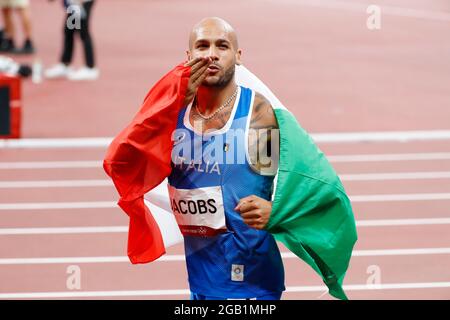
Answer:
(199, 72)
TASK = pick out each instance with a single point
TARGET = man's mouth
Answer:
(213, 68)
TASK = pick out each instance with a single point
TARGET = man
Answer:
(22, 7)
(219, 147)
(234, 257)
(81, 11)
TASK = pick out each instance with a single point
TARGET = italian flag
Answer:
(311, 213)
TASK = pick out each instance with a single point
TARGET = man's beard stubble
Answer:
(224, 80)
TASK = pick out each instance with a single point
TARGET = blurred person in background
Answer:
(22, 8)
(77, 11)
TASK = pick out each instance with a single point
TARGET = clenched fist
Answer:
(255, 211)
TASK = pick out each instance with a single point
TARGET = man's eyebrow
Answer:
(200, 41)
(223, 40)
(208, 40)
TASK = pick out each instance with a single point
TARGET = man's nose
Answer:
(212, 52)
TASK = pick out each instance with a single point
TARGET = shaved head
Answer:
(204, 27)
(215, 39)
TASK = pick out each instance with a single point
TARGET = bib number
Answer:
(199, 212)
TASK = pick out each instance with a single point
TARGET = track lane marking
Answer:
(336, 137)
(178, 292)
(332, 158)
(174, 257)
(124, 229)
(73, 183)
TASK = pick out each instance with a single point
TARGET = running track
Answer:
(57, 207)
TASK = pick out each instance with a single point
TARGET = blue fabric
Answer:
(269, 296)
(209, 260)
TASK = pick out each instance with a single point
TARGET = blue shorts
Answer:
(270, 296)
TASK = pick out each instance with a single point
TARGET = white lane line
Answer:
(400, 197)
(112, 204)
(56, 184)
(178, 292)
(383, 286)
(68, 230)
(400, 252)
(387, 136)
(331, 158)
(92, 294)
(63, 260)
(362, 8)
(123, 229)
(107, 183)
(58, 205)
(103, 142)
(388, 157)
(394, 176)
(172, 258)
(58, 143)
(50, 165)
(402, 222)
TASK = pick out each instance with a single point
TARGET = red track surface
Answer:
(336, 76)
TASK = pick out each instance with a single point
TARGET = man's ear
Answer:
(238, 57)
(188, 54)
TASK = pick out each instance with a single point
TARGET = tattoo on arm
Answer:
(265, 137)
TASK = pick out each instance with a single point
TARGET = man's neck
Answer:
(209, 99)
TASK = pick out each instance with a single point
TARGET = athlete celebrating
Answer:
(220, 187)
(218, 145)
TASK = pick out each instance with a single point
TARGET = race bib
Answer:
(199, 212)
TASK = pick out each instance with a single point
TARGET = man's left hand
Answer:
(255, 211)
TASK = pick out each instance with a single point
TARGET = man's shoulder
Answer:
(261, 101)
(262, 113)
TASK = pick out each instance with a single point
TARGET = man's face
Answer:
(214, 41)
